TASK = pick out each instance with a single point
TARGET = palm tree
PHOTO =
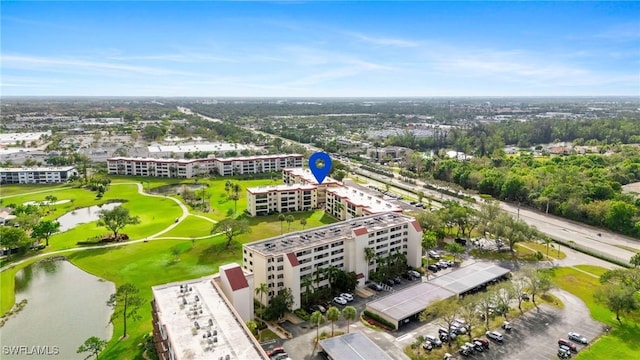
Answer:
(227, 186)
(428, 242)
(349, 313)
(319, 272)
(235, 199)
(303, 222)
(369, 254)
(333, 315)
(261, 290)
(317, 319)
(306, 283)
(281, 218)
(331, 272)
(236, 188)
(289, 219)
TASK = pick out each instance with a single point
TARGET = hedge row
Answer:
(380, 319)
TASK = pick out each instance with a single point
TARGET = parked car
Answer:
(397, 280)
(458, 329)
(427, 345)
(465, 350)
(434, 255)
(446, 334)
(569, 344)
(347, 296)
(320, 308)
(433, 340)
(412, 202)
(483, 341)
(375, 286)
(420, 205)
(340, 300)
(282, 356)
(415, 274)
(477, 346)
(275, 351)
(525, 297)
(507, 326)
(495, 336)
(573, 336)
(443, 264)
(564, 353)
(390, 282)
(461, 323)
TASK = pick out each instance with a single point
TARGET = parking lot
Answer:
(535, 334)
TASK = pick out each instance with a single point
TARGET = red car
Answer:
(568, 344)
(276, 351)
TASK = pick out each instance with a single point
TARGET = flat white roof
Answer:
(410, 301)
(228, 335)
(281, 187)
(353, 346)
(198, 147)
(470, 276)
(259, 157)
(326, 234)
(9, 138)
(360, 198)
(307, 176)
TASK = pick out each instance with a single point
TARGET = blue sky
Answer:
(330, 49)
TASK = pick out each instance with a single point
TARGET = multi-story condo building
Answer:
(203, 318)
(305, 176)
(345, 202)
(183, 168)
(265, 200)
(257, 164)
(282, 262)
(37, 175)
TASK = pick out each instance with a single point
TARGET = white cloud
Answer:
(79, 66)
(385, 41)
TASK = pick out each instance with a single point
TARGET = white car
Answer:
(495, 336)
(347, 296)
(573, 336)
(340, 300)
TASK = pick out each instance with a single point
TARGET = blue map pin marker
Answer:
(320, 172)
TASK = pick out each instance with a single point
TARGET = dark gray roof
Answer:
(353, 346)
(468, 277)
(409, 301)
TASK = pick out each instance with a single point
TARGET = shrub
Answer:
(379, 319)
(302, 314)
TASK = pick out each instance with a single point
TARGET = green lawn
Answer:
(623, 342)
(149, 264)
(14, 189)
(152, 263)
(192, 226)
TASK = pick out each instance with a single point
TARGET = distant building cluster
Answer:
(183, 168)
(37, 175)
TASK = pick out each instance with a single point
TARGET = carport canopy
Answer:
(353, 346)
(410, 301)
(469, 277)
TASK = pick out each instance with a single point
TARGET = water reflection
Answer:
(65, 307)
(83, 215)
(175, 189)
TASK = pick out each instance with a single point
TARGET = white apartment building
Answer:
(169, 168)
(305, 176)
(257, 164)
(183, 168)
(37, 175)
(203, 318)
(265, 200)
(345, 202)
(282, 262)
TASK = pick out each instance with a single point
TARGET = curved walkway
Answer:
(185, 213)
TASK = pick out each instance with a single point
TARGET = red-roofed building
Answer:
(237, 286)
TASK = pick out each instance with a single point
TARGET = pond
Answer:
(65, 307)
(83, 215)
(176, 189)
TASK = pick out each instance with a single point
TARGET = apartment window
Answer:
(281, 276)
(281, 284)
(280, 268)
(280, 259)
